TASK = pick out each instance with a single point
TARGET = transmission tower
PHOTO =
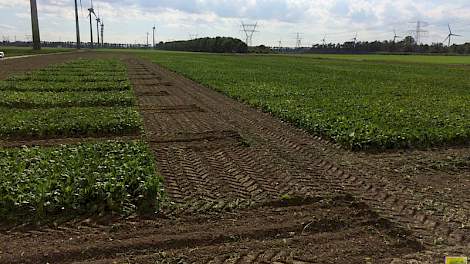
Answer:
(298, 40)
(249, 30)
(419, 32)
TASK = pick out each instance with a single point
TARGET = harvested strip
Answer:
(173, 108)
(75, 121)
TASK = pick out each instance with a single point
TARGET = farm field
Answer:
(207, 179)
(112, 175)
(19, 51)
(358, 104)
(433, 59)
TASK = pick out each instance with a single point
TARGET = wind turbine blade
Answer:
(446, 39)
(455, 35)
(449, 28)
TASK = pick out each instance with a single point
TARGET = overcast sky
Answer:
(127, 21)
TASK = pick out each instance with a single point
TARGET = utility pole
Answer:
(35, 25)
(77, 26)
(153, 36)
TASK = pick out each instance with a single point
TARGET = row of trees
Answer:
(216, 45)
(408, 44)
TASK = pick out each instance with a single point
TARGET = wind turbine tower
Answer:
(91, 11)
(395, 36)
(451, 34)
(249, 30)
(98, 21)
(354, 40)
(153, 36)
(35, 25)
(102, 32)
(148, 39)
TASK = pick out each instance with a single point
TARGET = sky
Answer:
(128, 21)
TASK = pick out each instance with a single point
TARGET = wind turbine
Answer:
(324, 40)
(102, 32)
(153, 36)
(450, 35)
(98, 21)
(91, 11)
(354, 40)
(395, 36)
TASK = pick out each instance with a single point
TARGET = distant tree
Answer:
(216, 45)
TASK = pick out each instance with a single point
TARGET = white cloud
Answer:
(128, 20)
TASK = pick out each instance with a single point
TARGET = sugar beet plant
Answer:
(82, 179)
(63, 101)
(359, 104)
(79, 98)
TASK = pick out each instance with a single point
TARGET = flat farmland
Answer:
(359, 104)
(117, 159)
(80, 153)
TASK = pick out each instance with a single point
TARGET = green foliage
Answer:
(59, 101)
(86, 178)
(46, 86)
(74, 121)
(359, 104)
(66, 99)
(216, 45)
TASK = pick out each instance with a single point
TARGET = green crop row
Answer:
(73, 121)
(64, 86)
(24, 100)
(359, 104)
(86, 178)
(65, 78)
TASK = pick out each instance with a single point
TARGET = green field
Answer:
(80, 98)
(83, 98)
(84, 178)
(20, 51)
(359, 104)
(435, 59)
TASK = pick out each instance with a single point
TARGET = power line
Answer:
(298, 40)
(419, 32)
(249, 30)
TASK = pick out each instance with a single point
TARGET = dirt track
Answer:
(226, 167)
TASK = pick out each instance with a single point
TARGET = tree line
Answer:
(406, 45)
(215, 45)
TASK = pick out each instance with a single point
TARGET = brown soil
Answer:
(245, 187)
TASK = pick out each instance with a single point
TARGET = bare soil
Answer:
(245, 187)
